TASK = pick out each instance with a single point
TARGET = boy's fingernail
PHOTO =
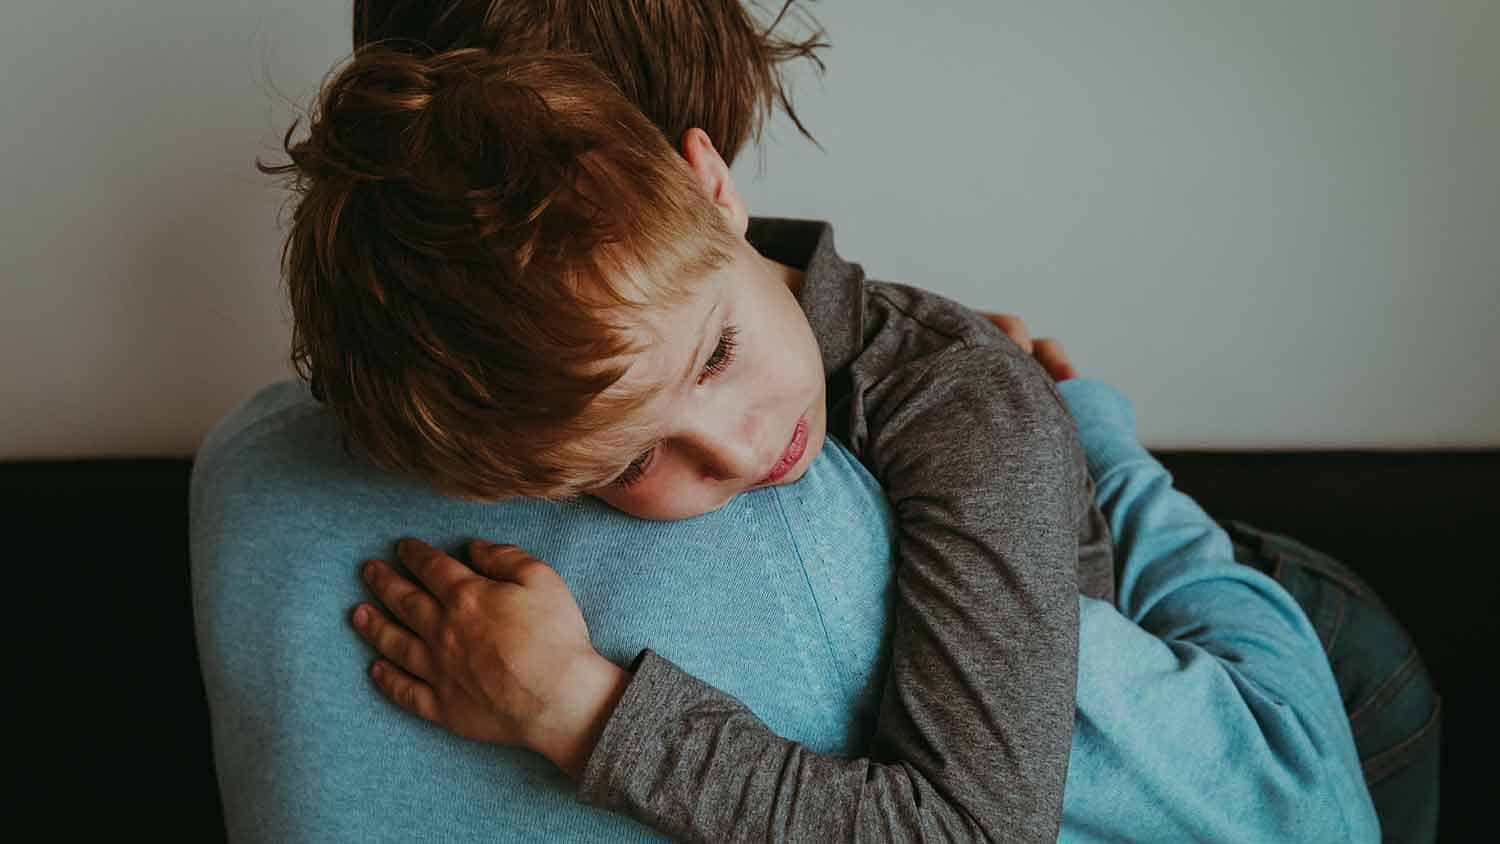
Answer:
(361, 616)
(369, 571)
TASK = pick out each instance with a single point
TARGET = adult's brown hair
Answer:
(684, 63)
(473, 234)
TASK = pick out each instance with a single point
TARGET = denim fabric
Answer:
(1394, 711)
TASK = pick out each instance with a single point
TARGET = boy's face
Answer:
(742, 406)
(742, 401)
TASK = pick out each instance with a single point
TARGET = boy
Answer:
(476, 313)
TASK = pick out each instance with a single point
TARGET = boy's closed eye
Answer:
(635, 471)
(723, 353)
(718, 361)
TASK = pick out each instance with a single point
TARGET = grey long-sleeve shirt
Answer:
(998, 534)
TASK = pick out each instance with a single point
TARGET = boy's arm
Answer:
(988, 481)
(1207, 709)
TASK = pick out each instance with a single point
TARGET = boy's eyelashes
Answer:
(722, 357)
(723, 353)
(635, 470)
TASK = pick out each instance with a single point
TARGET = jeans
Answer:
(1394, 711)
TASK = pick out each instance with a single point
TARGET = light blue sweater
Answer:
(1206, 708)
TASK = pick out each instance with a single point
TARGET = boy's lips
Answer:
(789, 458)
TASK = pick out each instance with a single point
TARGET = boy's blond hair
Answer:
(473, 239)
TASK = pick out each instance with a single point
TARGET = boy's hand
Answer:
(501, 655)
(1047, 351)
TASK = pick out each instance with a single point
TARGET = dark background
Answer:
(114, 726)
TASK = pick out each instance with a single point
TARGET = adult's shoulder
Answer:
(277, 454)
(267, 420)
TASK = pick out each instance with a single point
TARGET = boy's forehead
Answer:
(669, 336)
(669, 339)
(667, 275)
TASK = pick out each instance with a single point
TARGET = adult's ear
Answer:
(713, 176)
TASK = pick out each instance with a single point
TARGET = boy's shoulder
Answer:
(910, 330)
(882, 338)
(847, 309)
(931, 369)
(915, 310)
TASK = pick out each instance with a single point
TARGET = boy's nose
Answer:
(728, 461)
(730, 452)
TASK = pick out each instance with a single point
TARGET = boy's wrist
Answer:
(591, 688)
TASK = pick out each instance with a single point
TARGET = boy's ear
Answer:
(713, 177)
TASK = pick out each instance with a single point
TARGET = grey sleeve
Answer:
(984, 469)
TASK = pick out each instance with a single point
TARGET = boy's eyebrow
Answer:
(692, 367)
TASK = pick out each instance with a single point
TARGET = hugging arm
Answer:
(1205, 705)
(988, 483)
(1207, 709)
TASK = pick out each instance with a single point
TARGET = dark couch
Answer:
(123, 727)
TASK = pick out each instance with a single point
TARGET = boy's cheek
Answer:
(615, 499)
(659, 504)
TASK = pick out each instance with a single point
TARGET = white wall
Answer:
(1274, 224)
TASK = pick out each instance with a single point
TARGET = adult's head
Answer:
(505, 282)
(706, 65)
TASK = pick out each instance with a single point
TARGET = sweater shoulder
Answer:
(278, 423)
(929, 317)
(916, 339)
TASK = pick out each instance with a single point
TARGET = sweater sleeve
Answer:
(988, 483)
(1206, 708)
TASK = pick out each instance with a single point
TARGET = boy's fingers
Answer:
(404, 690)
(393, 643)
(405, 600)
(500, 562)
(439, 572)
